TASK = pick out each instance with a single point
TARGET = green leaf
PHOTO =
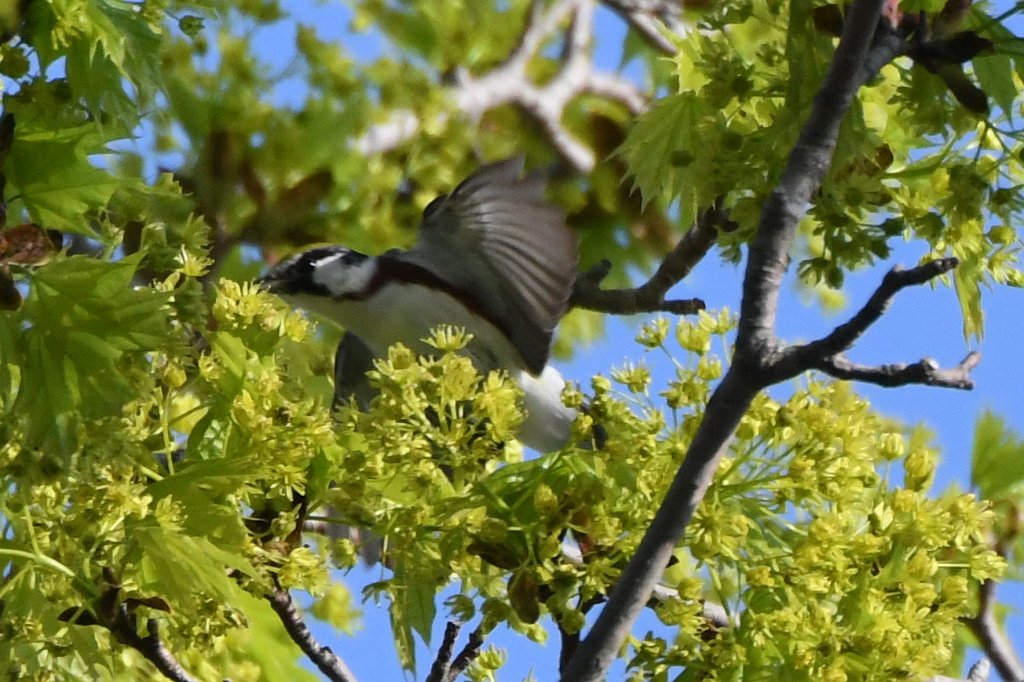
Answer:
(401, 629)
(653, 150)
(10, 358)
(413, 608)
(966, 280)
(996, 78)
(997, 458)
(420, 607)
(202, 488)
(81, 316)
(214, 477)
(175, 565)
(56, 182)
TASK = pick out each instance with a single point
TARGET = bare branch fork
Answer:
(509, 83)
(760, 358)
(326, 660)
(444, 668)
(826, 354)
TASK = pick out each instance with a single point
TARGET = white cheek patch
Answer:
(343, 279)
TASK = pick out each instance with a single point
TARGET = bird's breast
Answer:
(407, 313)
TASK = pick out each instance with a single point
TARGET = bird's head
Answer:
(330, 272)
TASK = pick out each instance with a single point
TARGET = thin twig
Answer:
(990, 636)
(926, 371)
(467, 655)
(715, 614)
(325, 659)
(826, 354)
(441, 667)
(650, 296)
(897, 279)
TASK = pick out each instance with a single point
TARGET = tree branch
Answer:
(925, 371)
(122, 620)
(467, 655)
(325, 659)
(990, 636)
(644, 17)
(979, 672)
(510, 83)
(755, 345)
(768, 260)
(897, 279)
(440, 669)
(650, 296)
(826, 354)
(150, 646)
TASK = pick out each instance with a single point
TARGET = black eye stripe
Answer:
(296, 274)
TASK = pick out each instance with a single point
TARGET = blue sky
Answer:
(923, 321)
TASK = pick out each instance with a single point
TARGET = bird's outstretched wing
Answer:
(509, 248)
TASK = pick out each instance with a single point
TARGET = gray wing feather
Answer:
(351, 363)
(497, 237)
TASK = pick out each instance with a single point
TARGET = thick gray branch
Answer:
(326, 661)
(803, 173)
(635, 586)
(467, 655)
(441, 668)
(768, 259)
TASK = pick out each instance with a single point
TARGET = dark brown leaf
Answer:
(828, 19)
(494, 554)
(6, 135)
(523, 595)
(28, 244)
(10, 297)
(305, 194)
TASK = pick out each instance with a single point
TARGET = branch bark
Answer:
(991, 638)
(650, 296)
(441, 667)
(467, 655)
(758, 359)
(151, 647)
(326, 660)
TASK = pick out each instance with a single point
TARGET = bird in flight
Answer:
(493, 257)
